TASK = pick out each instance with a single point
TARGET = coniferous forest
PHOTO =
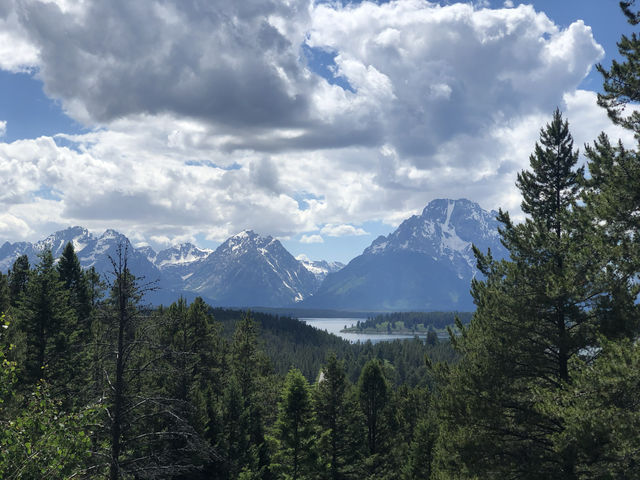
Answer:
(542, 383)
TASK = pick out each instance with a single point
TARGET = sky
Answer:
(321, 123)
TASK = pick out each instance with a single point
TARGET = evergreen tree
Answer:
(5, 298)
(49, 326)
(341, 424)
(140, 419)
(246, 363)
(235, 443)
(622, 81)
(18, 278)
(75, 282)
(418, 464)
(612, 207)
(294, 456)
(192, 371)
(374, 394)
(600, 412)
(39, 438)
(534, 314)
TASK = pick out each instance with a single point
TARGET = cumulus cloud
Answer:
(232, 63)
(18, 53)
(434, 73)
(311, 239)
(3, 128)
(342, 230)
(206, 119)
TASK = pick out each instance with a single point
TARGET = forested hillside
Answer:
(96, 385)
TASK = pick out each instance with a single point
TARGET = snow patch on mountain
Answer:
(319, 268)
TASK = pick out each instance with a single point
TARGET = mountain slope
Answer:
(320, 268)
(178, 263)
(250, 270)
(427, 263)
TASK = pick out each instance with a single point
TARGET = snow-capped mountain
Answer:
(92, 251)
(184, 254)
(248, 269)
(320, 268)
(9, 252)
(179, 262)
(427, 263)
(445, 230)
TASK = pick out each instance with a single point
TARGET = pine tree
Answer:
(622, 81)
(600, 412)
(245, 361)
(72, 275)
(374, 395)
(18, 278)
(5, 298)
(49, 326)
(235, 442)
(612, 206)
(418, 464)
(341, 424)
(191, 371)
(535, 313)
(293, 432)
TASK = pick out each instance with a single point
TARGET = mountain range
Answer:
(427, 263)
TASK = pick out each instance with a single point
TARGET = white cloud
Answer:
(311, 239)
(3, 128)
(342, 230)
(194, 139)
(18, 53)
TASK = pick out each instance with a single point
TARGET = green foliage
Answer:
(415, 321)
(418, 465)
(5, 299)
(39, 439)
(43, 441)
(374, 394)
(622, 81)
(49, 324)
(340, 422)
(535, 314)
(600, 412)
(18, 278)
(293, 432)
(77, 285)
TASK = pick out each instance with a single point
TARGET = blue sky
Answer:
(321, 124)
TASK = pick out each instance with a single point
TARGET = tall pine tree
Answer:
(341, 423)
(295, 454)
(49, 325)
(535, 313)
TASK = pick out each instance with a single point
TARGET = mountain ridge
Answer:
(426, 263)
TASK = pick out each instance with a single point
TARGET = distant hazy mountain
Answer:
(426, 264)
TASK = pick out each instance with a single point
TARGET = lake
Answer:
(334, 325)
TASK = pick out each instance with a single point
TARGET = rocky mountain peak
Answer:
(79, 236)
(183, 254)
